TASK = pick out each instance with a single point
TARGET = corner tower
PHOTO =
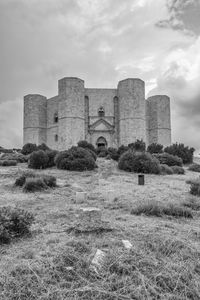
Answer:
(132, 126)
(159, 120)
(35, 119)
(71, 111)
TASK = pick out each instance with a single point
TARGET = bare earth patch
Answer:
(163, 263)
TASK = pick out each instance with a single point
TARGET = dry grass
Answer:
(164, 262)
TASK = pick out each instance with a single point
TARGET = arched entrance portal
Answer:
(101, 143)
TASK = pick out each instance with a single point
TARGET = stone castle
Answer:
(103, 117)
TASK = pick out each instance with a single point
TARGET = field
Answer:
(54, 262)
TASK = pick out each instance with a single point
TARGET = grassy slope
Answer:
(164, 260)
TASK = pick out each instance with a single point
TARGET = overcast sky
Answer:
(102, 42)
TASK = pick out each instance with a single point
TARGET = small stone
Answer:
(98, 259)
(127, 244)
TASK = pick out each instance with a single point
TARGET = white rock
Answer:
(98, 259)
(127, 244)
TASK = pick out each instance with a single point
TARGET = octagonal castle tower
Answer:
(103, 117)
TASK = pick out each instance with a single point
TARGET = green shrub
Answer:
(155, 148)
(84, 144)
(94, 156)
(138, 145)
(103, 153)
(14, 223)
(75, 159)
(20, 158)
(38, 160)
(51, 158)
(168, 159)
(8, 163)
(113, 153)
(139, 162)
(34, 185)
(194, 168)
(29, 148)
(49, 180)
(158, 210)
(180, 150)
(192, 203)
(195, 187)
(122, 149)
(43, 147)
(166, 170)
(178, 170)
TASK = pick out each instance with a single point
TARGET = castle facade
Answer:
(103, 117)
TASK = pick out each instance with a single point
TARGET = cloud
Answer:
(179, 78)
(183, 16)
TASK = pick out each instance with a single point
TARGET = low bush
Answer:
(84, 144)
(180, 150)
(14, 222)
(194, 168)
(103, 153)
(178, 170)
(8, 163)
(43, 147)
(75, 159)
(168, 159)
(38, 160)
(139, 162)
(122, 149)
(20, 158)
(92, 153)
(192, 203)
(20, 181)
(34, 185)
(31, 178)
(138, 145)
(158, 210)
(195, 187)
(49, 180)
(155, 148)
(113, 153)
(29, 148)
(51, 158)
(166, 170)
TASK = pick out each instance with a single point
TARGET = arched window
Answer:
(56, 137)
(56, 117)
(101, 111)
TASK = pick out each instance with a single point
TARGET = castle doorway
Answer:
(101, 143)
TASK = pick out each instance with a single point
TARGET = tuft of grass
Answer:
(178, 170)
(194, 168)
(8, 163)
(34, 185)
(166, 170)
(33, 182)
(158, 210)
(192, 203)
